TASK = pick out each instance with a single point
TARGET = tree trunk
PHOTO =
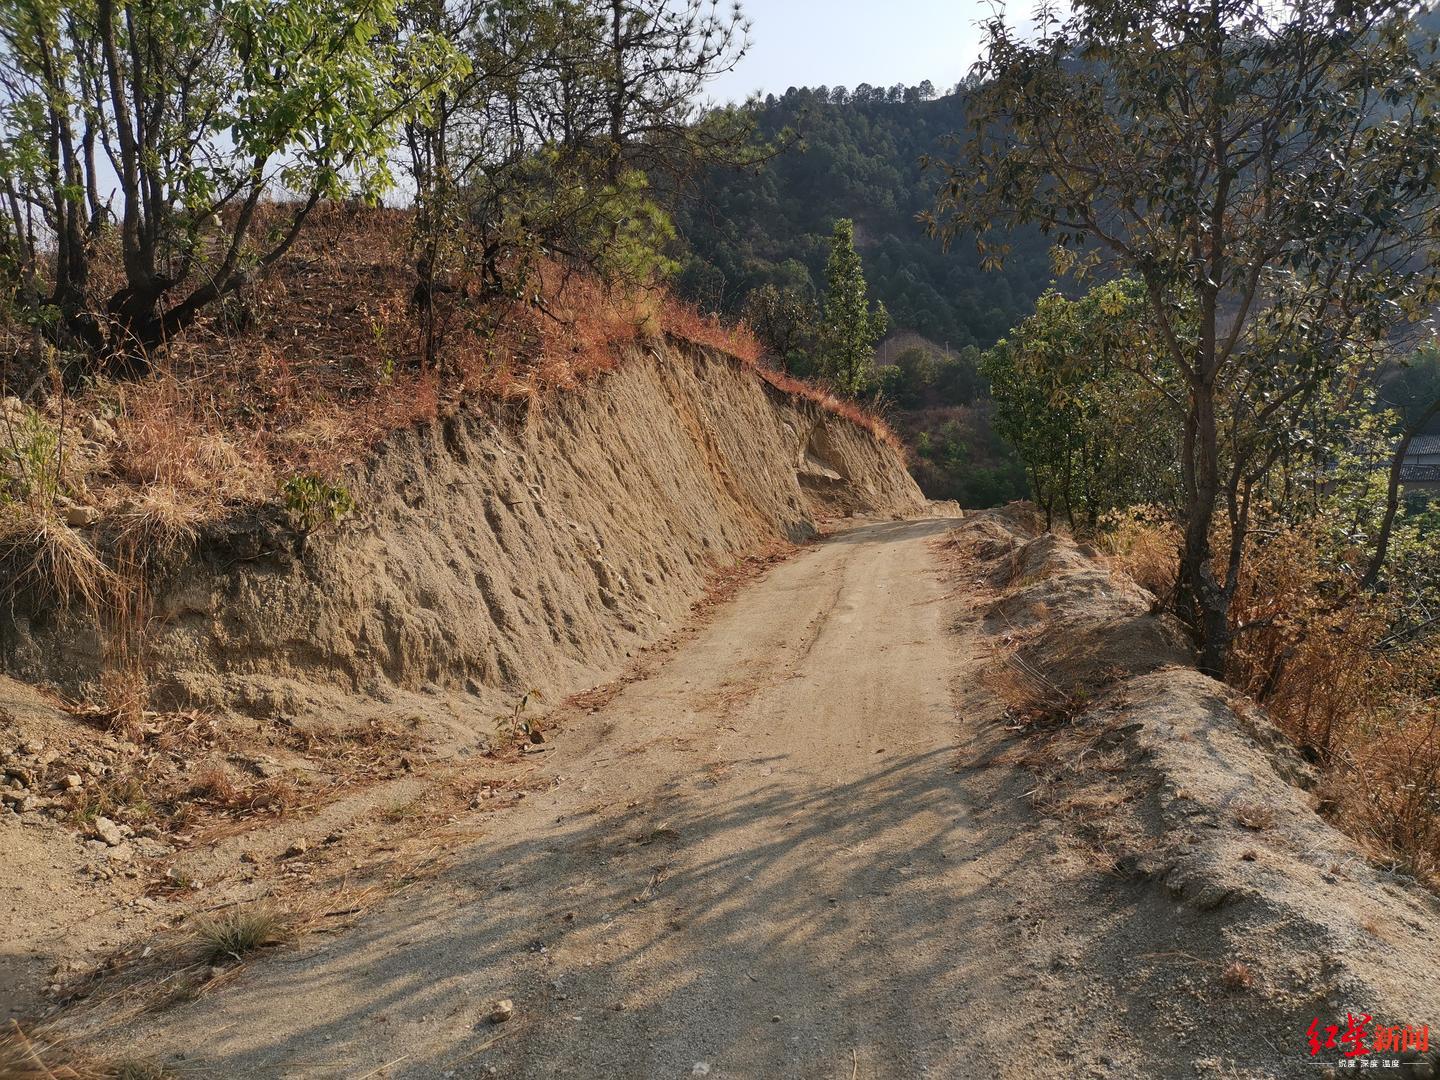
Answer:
(1392, 499)
(1206, 604)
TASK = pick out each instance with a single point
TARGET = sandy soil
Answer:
(797, 848)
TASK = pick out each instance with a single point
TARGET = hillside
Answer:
(857, 158)
(500, 558)
(509, 570)
(490, 550)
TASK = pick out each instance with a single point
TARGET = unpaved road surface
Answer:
(786, 853)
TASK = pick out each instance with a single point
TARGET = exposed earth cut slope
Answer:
(491, 554)
(514, 548)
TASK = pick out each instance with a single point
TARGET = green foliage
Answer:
(311, 503)
(202, 111)
(1078, 394)
(32, 457)
(757, 247)
(787, 322)
(1269, 173)
(850, 327)
(923, 379)
(574, 131)
(859, 157)
(1415, 383)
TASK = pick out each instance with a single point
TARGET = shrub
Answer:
(311, 503)
(33, 455)
(1360, 700)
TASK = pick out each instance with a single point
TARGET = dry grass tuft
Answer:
(140, 1069)
(160, 522)
(1237, 976)
(36, 1057)
(172, 435)
(233, 935)
(1149, 553)
(1365, 712)
(54, 562)
(124, 692)
(220, 787)
(1254, 816)
(28, 1056)
(1034, 702)
(218, 784)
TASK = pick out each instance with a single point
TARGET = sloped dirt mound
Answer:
(1079, 660)
(1041, 578)
(1044, 557)
(1179, 783)
(1081, 593)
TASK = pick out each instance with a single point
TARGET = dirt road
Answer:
(776, 857)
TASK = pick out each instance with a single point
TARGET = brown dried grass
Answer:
(34, 1056)
(1309, 649)
(1149, 553)
(321, 359)
(49, 559)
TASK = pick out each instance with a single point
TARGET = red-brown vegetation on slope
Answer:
(313, 364)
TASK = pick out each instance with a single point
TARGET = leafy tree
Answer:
(198, 113)
(851, 327)
(1267, 170)
(787, 323)
(1091, 430)
(576, 128)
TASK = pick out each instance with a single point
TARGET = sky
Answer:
(847, 42)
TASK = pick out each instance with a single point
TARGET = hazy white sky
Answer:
(845, 42)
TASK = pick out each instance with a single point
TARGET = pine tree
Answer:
(851, 326)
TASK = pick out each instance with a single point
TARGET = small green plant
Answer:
(234, 934)
(387, 362)
(30, 448)
(312, 502)
(513, 726)
(122, 798)
(403, 811)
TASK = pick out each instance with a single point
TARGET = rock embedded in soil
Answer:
(81, 517)
(501, 1011)
(108, 831)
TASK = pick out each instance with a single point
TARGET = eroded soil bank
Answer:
(322, 725)
(506, 550)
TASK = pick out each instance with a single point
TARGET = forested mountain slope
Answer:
(858, 156)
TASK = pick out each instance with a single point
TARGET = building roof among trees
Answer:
(1424, 444)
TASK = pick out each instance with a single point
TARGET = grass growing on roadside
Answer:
(139, 1070)
(233, 935)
